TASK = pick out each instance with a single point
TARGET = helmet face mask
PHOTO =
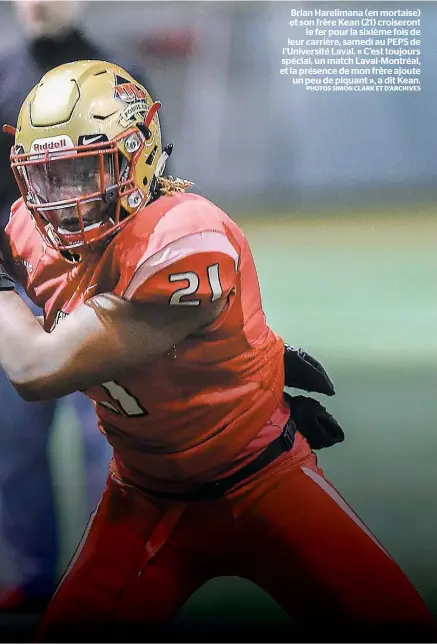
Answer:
(77, 193)
(84, 168)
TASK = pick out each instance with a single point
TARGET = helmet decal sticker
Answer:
(89, 139)
(127, 91)
(52, 143)
(130, 113)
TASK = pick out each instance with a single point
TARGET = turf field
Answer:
(360, 293)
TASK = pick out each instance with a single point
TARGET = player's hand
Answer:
(302, 371)
(314, 422)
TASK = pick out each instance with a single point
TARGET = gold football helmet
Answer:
(87, 153)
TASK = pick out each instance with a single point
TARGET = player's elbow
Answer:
(34, 381)
(31, 390)
(40, 384)
(28, 394)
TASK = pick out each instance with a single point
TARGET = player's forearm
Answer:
(44, 365)
(20, 340)
(99, 341)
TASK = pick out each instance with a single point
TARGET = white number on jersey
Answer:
(193, 286)
(127, 403)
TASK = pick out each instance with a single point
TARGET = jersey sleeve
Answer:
(18, 244)
(199, 267)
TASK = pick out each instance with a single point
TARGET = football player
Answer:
(152, 307)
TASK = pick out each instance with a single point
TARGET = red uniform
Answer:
(196, 414)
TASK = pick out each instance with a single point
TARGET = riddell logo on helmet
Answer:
(52, 143)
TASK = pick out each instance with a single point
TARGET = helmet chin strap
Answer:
(160, 167)
(162, 161)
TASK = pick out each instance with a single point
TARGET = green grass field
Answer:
(360, 294)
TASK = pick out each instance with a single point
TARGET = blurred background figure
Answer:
(51, 35)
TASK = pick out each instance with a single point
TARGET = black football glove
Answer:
(6, 281)
(302, 371)
(314, 422)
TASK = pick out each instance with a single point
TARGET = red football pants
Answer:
(286, 529)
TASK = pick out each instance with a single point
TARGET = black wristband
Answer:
(6, 281)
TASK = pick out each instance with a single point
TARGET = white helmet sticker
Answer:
(57, 144)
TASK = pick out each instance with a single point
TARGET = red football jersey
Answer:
(186, 417)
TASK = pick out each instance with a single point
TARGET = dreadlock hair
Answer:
(168, 186)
